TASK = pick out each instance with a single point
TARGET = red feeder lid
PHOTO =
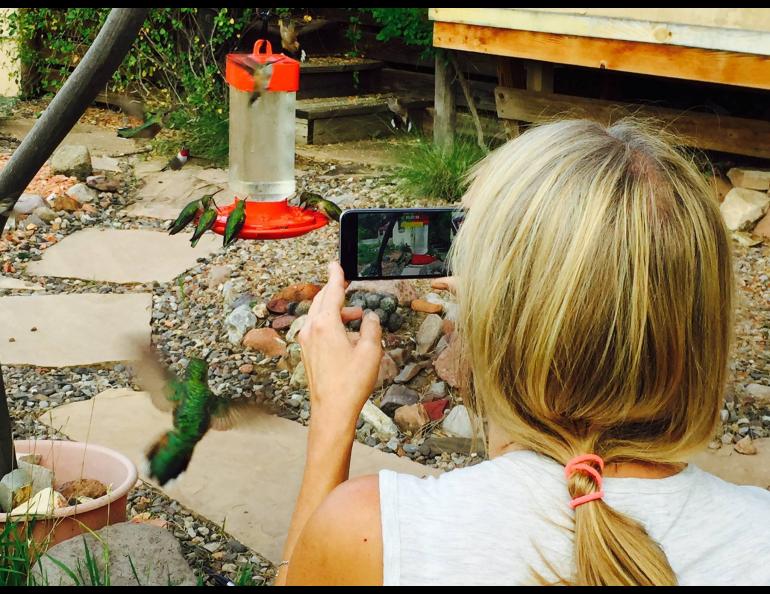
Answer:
(272, 220)
(285, 76)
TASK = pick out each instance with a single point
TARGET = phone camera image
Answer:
(409, 244)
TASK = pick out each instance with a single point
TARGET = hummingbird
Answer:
(205, 222)
(195, 407)
(148, 129)
(289, 40)
(322, 205)
(400, 119)
(178, 161)
(260, 74)
(234, 223)
(189, 212)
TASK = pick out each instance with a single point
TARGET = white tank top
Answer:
(489, 524)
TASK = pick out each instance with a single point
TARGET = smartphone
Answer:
(392, 243)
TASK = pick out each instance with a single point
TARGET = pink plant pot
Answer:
(72, 460)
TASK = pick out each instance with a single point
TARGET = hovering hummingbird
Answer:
(205, 222)
(178, 161)
(322, 205)
(289, 40)
(400, 119)
(189, 212)
(260, 74)
(148, 129)
(196, 410)
(235, 222)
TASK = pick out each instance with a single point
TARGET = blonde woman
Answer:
(595, 291)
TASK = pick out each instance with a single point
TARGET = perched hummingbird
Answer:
(322, 205)
(234, 223)
(196, 410)
(189, 212)
(400, 119)
(205, 222)
(178, 161)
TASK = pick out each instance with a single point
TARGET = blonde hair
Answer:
(596, 310)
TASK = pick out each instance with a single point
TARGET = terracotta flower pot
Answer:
(71, 460)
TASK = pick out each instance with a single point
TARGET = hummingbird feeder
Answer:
(262, 123)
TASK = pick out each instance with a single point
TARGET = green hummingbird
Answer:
(322, 205)
(189, 212)
(149, 129)
(205, 222)
(235, 222)
(195, 407)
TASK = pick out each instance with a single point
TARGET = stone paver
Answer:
(247, 478)
(100, 141)
(73, 329)
(123, 255)
(10, 283)
(165, 193)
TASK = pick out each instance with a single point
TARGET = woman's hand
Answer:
(445, 283)
(340, 376)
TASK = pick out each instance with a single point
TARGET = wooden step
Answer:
(335, 76)
(339, 119)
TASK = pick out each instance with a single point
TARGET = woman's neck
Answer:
(499, 443)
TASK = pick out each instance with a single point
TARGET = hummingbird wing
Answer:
(164, 388)
(227, 414)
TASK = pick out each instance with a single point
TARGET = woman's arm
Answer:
(340, 379)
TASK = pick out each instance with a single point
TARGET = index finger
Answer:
(333, 294)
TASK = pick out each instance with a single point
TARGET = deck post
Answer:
(445, 110)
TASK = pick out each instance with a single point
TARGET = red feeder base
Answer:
(272, 220)
(422, 259)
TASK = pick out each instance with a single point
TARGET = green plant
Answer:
(353, 35)
(93, 576)
(426, 170)
(410, 25)
(17, 552)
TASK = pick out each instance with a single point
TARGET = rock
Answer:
(388, 304)
(436, 408)
(397, 396)
(745, 446)
(458, 422)
(402, 290)
(42, 477)
(746, 239)
(239, 322)
(278, 306)
(265, 340)
(426, 306)
(103, 183)
(299, 378)
(372, 300)
(451, 311)
(283, 322)
(449, 364)
(218, 275)
(398, 356)
(246, 368)
(72, 160)
(429, 333)
(300, 292)
(15, 488)
(743, 207)
(727, 438)
(395, 321)
(763, 227)
(382, 316)
(231, 291)
(447, 326)
(260, 310)
(760, 393)
(388, 371)
(45, 214)
(302, 307)
(295, 327)
(411, 418)
(83, 488)
(34, 222)
(155, 553)
(41, 504)
(381, 423)
(28, 203)
(752, 179)
(294, 355)
(82, 193)
(409, 372)
(66, 204)
(435, 446)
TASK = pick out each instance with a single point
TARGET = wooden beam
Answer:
(444, 103)
(643, 58)
(702, 130)
(511, 73)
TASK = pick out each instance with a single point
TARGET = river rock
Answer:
(381, 423)
(397, 396)
(65, 204)
(104, 183)
(742, 207)
(745, 446)
(72, 160)
(45, 214)
(239, 322)
(449, 364)
(299, 292)
(426, 306)
(458, 422)
(760, 393)
(429, 333)
(27, 203)
(435, 408)
(265, 340)
(283, 322)
(388, 371)
(154, 552)
(411, 418)
(82, 193)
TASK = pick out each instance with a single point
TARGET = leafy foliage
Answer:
(429, 171)
(411, 25)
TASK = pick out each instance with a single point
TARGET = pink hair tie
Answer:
(577, 464)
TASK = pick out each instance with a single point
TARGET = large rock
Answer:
(458, 422)
(82, 193)
(397, 396)
(73, 160)
(155, 553)
(265, 340)
(403, 290)
(429, 333)
(387, 372)
(380, 422)
(449, 364)
(27, 203)
(412, 418)
(240, 321)
(763, 227)
(742, 208)
(752, 179)
(760, 393)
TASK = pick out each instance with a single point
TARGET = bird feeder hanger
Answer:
(262, 148)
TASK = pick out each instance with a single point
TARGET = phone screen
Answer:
(397, 243)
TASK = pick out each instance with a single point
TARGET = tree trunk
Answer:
(78, 92)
